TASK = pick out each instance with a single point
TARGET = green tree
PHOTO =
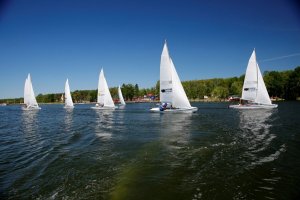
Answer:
(136, 90)
(114, 92)
(236, 88)
(293, 85)
(220, 92)
(275, 83)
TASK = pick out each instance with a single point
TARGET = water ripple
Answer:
(131, 153)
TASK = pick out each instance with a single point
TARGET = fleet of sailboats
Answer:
(254, 94)
(172, 95)
(104, 99)
(30, 102)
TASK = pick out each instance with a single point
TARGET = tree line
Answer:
(281, 84)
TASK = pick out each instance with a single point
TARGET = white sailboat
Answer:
(104, 99)
(172, 95)
(122, 102)
(29, 97)
(254, 94)
(68, 97)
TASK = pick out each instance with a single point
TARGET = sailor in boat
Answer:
(243, 102)
(99, 104)
(165, 106)
(26, 106)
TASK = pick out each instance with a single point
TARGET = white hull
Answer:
(103, 108)
(68, 107)
(177, 110)
(253, 106)
(121, 106)
(31, 108)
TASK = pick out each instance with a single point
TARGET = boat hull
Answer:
(68, 107)
(253, 106)
(103, 108)
(177, 110)
(31, 108)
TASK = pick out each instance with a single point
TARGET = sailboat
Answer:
(254, 94)
(68, 97)
(122, 102)
(172, 95)
(29, 97)
(104, 99)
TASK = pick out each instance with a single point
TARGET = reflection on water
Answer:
(121, 107)
(104, 123)
(255, 126)
(134, 154)
(175, 129)
(29, 121)
(68, 119)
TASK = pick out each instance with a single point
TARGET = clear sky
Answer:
(58, 39)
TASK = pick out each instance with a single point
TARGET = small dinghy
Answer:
(172, 95)
(68, 98)
(254, 94)
(29, 97)
(104, 99)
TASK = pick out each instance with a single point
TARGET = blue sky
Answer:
(58, 39)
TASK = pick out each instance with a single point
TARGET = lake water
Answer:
(216, 153)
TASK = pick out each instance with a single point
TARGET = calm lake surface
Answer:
(130, 153)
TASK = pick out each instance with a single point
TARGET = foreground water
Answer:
(130, 153)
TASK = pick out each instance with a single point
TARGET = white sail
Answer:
(29, 97)
(262, 92)
(179, 99)
(26, 92)
(171, 90)
(166, 86)
(32, 99)
(254, 88)
(68, 97)
(121, 96)
(104, 97)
